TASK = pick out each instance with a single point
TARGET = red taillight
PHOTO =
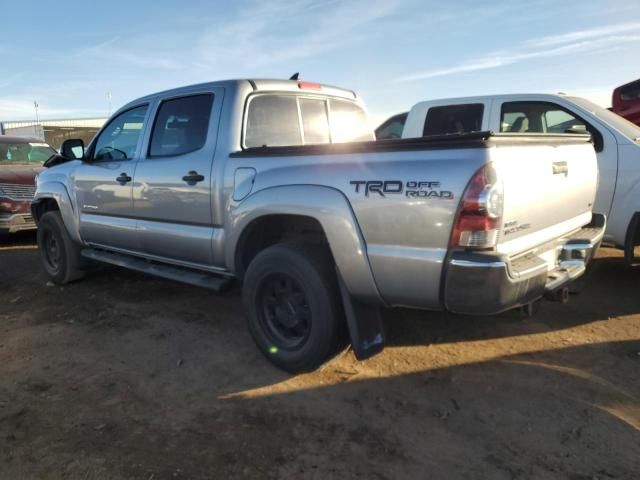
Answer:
(309, 86)
(480, 213)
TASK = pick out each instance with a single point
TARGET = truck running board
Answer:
(199, 279)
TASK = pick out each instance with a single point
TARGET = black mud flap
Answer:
(632, 239)
(365, 325)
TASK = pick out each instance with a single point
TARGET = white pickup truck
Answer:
(616, 141)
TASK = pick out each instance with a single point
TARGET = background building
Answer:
(54, 132)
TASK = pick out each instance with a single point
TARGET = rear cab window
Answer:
(451, 119)
(275, 120)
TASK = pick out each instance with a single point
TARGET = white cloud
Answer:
(283, 31)
(129, 54)
(584, 34)
(585, 41)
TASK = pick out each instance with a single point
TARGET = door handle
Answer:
(193, 177)
(123, 178)
(560, 168)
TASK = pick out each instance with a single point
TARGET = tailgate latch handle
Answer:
(560, 168)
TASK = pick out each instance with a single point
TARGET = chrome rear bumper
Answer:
(486, 283)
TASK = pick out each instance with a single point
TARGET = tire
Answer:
(59, 254)
(293, 305)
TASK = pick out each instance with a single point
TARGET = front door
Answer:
(103, 183)
(173, 181)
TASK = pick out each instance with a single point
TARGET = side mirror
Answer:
(576, 129)
(72, 148)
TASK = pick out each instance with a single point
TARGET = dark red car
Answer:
(20, 160)
(626, 101)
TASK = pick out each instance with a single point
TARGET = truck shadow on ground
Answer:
(563, 413)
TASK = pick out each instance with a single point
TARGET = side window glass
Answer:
(453, 119)
(630, 92)
(348, 122)
(392, 128)
(273, 121)
(119, 139)
(560, 121)
(315, 122)
(545, 117)
(181, 126)
(538, 117)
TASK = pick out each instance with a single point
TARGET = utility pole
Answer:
(35, 105)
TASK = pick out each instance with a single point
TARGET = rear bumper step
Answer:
(486, 283)
(199, 279)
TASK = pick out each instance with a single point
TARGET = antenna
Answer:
(295, 76)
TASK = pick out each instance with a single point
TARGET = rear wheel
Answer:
(293, 307)
(59, 254)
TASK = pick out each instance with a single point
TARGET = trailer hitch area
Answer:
(560, 295)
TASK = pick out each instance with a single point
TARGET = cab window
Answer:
(181, 126)
(273, 121)
(545, 117)
(290, 120)
(119, 139)
(315, 121)
(630, 92)
(538, 117)
(348, 122)
(453, 119)
(392, 127)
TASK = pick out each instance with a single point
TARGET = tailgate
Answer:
(549, 187)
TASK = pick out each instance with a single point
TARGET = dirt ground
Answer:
(122, 376)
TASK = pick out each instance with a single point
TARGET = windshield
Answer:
(25, 153)
(621, 124)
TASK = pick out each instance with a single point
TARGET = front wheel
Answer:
(293, 307)
(59, 254)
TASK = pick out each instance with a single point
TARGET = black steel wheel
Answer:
(284, 314)
(293, 305)
(52, 253)
(59, 254)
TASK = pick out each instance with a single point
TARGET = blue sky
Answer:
(68, 54)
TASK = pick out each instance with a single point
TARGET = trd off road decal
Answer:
(411, 189)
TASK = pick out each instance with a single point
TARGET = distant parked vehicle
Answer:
(626, 101)
(20, 160)
(616, 141)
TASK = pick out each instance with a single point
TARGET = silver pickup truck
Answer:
(278, 185)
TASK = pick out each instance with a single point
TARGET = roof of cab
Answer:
(481, 98)
(257, 85)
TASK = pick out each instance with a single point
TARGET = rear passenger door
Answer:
(172, 198)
